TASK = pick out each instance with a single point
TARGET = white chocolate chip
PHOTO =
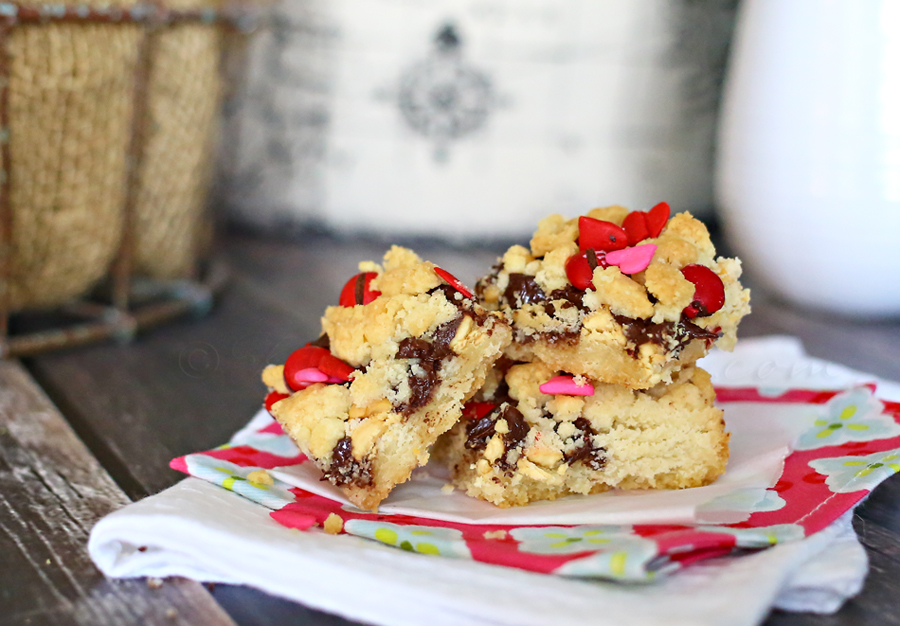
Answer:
(464, 327)
(542, 455)
(495, 448)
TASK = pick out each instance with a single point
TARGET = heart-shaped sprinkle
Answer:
(565, 385)
(274, 397)
(335, 368)
(319, 359)
(709, 291)
(635, 225)
(356, 290)
(310, 375)
(580, 270)
(657, 218)
(454, 282)
(632, 260)
(477, 410)
(600, 235)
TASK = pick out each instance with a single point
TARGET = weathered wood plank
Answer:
(51, 492)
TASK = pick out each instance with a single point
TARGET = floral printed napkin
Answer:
(847, 441)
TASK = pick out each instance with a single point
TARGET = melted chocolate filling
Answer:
(453, 296)
(322, 342)
(518, 427)
(572, 295)
(639, 331)
(595, 458)
(345, 469)
(523, 289)
(430, 355)
(359, 291)
(479, 432)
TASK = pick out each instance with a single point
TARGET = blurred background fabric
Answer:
(473, 119)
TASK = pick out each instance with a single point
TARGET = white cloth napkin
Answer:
(198, 530)
(201, 531)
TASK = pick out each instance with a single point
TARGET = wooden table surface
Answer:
(186, 387)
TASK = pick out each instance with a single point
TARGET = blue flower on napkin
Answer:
(423, 539)
(847, 474)
(855, 415)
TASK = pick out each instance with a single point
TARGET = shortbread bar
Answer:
(518, 445)
(617, 296)
(397, 361)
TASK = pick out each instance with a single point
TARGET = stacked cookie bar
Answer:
(570, 370)
(399, 357)
(598, 389)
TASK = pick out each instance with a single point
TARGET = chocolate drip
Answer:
(443, 335)
(414, 348)
(322, 342)
(479, 432)
(345, 469)
(430, 355)
(595, 458)
(639, 331)
(518, 427)
(523, 289)
(453, 296)
(572, 295)
(359, 291)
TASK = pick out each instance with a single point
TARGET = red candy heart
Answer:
(313, 357)
(333, 366)
(274, 397)
(600, 235)
(635, 226)
(477, 410)
(357, 291)
(579, 270)
(709, 292)
(454, 282)
(657, 218)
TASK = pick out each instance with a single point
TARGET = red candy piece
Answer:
(357, 291)
(579, 270)
(274, 397)
(709, 292)
(636, 227)
(477, 410)
(657, 218)
(600, 235)
(333, 366)
(313, 357)
(454, 282)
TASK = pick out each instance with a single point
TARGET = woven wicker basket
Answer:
(109, 117)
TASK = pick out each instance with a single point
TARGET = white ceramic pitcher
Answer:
(808, 172)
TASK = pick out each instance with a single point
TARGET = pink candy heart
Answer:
(306, 377)
(632, 260)
(566, 386)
